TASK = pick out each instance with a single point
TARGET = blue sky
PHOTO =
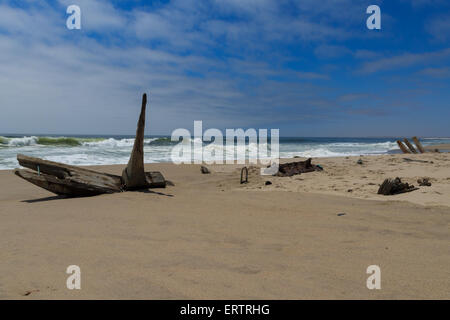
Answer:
(309, 68)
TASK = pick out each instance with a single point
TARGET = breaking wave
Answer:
(74, 142)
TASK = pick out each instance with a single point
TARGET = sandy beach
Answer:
(209, 237)
(101, 99)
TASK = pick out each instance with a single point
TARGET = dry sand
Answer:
(208, 237)
(441, 147)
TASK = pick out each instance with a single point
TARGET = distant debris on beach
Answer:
(424, 182)
(416, 160)
(204, 170)
(298, 167)
(395, 186)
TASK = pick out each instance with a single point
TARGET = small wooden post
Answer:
(410, 146)
(244, 169)
(418, 144)
(402, 147)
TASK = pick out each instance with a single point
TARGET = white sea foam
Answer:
(20, 142)
(109, 143)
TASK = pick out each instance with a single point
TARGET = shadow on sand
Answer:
(52, 198)
(45, 199)
(155, 192)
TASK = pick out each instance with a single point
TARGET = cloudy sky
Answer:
(307, 67)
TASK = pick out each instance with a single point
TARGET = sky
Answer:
(306, 67)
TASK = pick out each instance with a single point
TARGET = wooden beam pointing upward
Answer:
(418, 144)
(410, 146)
(402, 147)
(133, 175)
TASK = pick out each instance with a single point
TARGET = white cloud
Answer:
(405, 60)
(439, 73)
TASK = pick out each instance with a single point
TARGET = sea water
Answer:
(103, 150)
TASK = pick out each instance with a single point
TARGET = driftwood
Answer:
(416, 160)
(67, 187)
(68, 180)
(409, 145)
(411, 148)
(418, 144)
(73, 181)
(293, 168)
(395, 186)
(424, 182)
(133, 175)
(402, 147)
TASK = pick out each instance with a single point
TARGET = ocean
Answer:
(103, 150)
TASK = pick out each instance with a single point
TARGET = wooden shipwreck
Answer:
(407, 146)
(292, 168)
(73, 181)
(395, 186)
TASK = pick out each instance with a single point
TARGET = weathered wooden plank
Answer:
(32, 161)
(298, 167)
(416, 160)
(409, 145)
(58, 186)
(402, 147)
(418, 144)
(395, 186)
(155, 179)
(71, 173)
